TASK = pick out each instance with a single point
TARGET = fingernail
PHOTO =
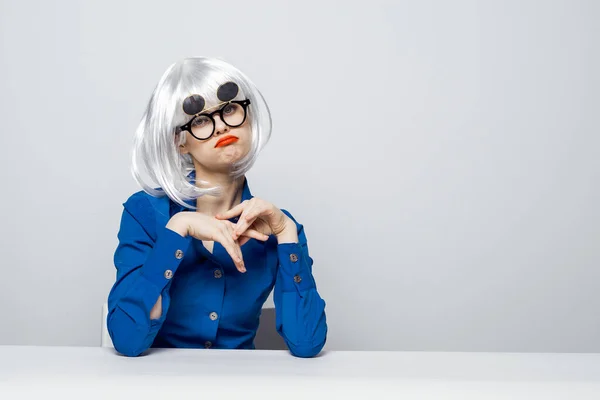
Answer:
(243, 269)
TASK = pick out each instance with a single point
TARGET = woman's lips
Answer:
(227, 140)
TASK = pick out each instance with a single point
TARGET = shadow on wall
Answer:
(267, 337)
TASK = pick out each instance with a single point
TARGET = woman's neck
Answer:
(230, 196)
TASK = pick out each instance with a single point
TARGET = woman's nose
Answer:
(220, 126)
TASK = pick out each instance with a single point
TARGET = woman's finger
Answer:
(255, 213)
(243, 240)
(242, 223)
(234, 251)
(261, 208)
(229, 231)
(254, 234)
(235, 211)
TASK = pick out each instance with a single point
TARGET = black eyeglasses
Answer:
(232, 113)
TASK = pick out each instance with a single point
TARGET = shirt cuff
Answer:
(167, 254)
(294, 270)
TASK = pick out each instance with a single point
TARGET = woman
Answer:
(198, 255)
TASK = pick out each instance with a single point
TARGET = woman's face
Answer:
(226, 146)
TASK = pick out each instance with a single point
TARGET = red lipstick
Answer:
(226, 140)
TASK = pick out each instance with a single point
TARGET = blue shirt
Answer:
(205, 299)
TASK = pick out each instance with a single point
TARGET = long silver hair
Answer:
(156, 140)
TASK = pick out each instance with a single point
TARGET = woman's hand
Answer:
(204, 227)
(263, 217)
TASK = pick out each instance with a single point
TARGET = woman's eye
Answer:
(228, 109)
(199, 122)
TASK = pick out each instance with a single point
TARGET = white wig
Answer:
(156, 141)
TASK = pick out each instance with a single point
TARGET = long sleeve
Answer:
(300, 310)
(145, 264)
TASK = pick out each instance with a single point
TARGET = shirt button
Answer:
(168, 274)
(207, 344)
(293, 257)
(218, 273)
(213, 316)
(297, 279)
(179, 254)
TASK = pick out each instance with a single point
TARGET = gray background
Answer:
(443, 157)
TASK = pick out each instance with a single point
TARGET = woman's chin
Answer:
(231, 154)
(226, 161)
(225, 158)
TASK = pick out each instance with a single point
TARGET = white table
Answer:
(80, 372)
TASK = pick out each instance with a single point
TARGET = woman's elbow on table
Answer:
(127, 340)
(128, 351)
(305, 351)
